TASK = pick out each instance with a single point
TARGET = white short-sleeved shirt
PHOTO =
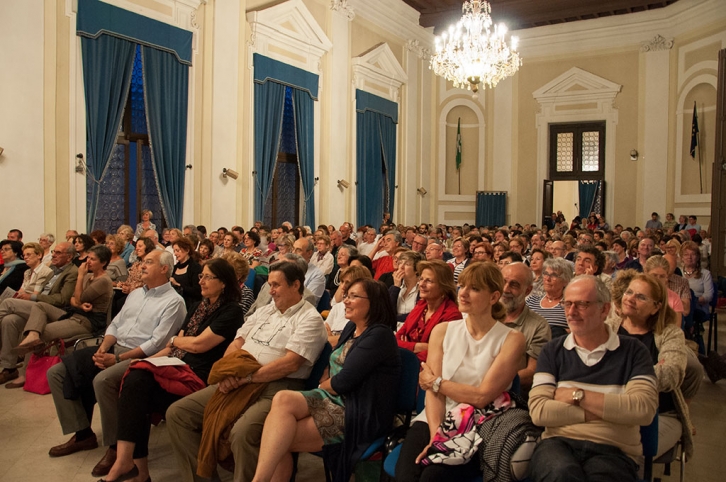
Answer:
(269, 334)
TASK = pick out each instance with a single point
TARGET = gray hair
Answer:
(561, 266)
(193, 228)
(50, 237)
(298, 260)
(611, 256)
(167, 259)
(154, 235)
(603, 293)
(397, 234)
(352, 250)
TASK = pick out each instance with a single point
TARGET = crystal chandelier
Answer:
(470, 53)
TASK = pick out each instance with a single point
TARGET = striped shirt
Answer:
(555, 316)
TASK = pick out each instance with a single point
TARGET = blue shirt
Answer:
(149, 318)
(128, 249)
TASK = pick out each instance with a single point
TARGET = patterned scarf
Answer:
(202, 312)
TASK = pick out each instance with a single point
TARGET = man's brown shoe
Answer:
(71, 447)
(7, 375)
(103, 467)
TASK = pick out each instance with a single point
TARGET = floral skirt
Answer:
(328, 413)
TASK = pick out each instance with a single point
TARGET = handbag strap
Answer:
(57, 342)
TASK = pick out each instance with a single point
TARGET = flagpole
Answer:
(700, 159)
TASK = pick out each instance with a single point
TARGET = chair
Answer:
(319, 368)
(324, 303)
(649, 440)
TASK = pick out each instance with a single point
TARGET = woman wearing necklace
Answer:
(460, 250)
(349, 409)
(404, 291)
(185, 277)
(472, 361)
(437, 303)
(345, 251)
(699, 279)
(556, 273)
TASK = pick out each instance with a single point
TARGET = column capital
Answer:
(657, 43)
(342, 7)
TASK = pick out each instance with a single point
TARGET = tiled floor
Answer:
(29, 427)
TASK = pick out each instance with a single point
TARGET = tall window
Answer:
(283, 203)
(577, 151)
(129, 185)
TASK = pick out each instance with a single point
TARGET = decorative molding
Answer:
(342, 7)
(288, 27)
(182, 13)
(421, 52)
(378, 71)
(396, 17)
(657, 43)
(577, 87)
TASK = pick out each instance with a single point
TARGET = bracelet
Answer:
(118, 358)
(172, 340)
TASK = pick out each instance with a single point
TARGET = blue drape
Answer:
(376, 157)
(107, 66)
(491, 208)
(302, 106)
(269, 105)
(166, 82)
(587, 192)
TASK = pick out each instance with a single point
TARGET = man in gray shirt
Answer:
(151, 315)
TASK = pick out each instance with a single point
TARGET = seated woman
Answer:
(460, 250)
(37, 274)
(437, 303)
(352, 407)
(336, 321)
(14, 268)
(556, 273)
(241, 270)
(116, 270)
(699, 279)
(499, 248)
(207, 331)
(404, 291)
(647, 317)
(230, 243)
(536, 264)
(470, 361)
(657, 266)
(345, 251)
(251, 251)
(82, 243)
(322, 258)
(185, 277)
(205, 250)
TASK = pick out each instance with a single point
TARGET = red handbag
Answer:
(36, 380)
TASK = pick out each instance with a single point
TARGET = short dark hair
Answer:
(102, 253)
(87, 241)
(364, 260)
(227, 276)
(620, 243)
(515, 257)
(148, 244)
(292, 273)
(17, 247)
(202, 229)
(381, 310)
(254, 237)
(599, 257)
(16, 230)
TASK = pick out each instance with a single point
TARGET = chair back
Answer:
(410, 367)
(649, 440)
(324, 303)
(319, 367)
(516, 385)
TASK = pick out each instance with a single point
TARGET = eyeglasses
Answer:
(638, 296)
(580, 305)
(353, 297)
(550, 274)
(206, 277)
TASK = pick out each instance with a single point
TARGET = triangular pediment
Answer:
(576, 84)
(290, 22)
(382, 61)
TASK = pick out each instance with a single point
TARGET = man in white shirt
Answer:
(368, 243)
(322, 257)
(314, 278)
(285, 337)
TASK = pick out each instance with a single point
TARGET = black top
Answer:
(368, 383)
(14, 280)
(189, 282)
(225, 321)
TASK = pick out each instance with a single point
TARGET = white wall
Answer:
(21, 117)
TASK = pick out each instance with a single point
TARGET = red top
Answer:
(382, 266)
(415, 331)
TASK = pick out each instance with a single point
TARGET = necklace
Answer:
(552, 300)
(688, 273)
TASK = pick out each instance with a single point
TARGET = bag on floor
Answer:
(36, 380)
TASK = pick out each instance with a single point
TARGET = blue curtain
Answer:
(376, 157)
(587, 191)
(491, 208)
(107, 66)
(166, 82)
(302, 106)
(269, 105)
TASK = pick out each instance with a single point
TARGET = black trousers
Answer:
(140, 397)
(407, 470)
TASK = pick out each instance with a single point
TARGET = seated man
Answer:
(322, 257)
(382, 254)
(592, 391)
(14, 312)
(285, 338)
(518, 281)
(148, 319)
(314, 278)
(264, 297)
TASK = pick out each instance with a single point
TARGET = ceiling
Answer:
(521, 14)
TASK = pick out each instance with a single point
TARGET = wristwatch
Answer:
(249, 378)
(436, 386)
(577, 396)
(172, 341)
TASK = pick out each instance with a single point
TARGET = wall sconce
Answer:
(422, 191)
(80, 165)
(1, 151)
(229, 173)
(343, 183)
(633, 155)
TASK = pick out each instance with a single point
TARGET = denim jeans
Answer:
(565, 459)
